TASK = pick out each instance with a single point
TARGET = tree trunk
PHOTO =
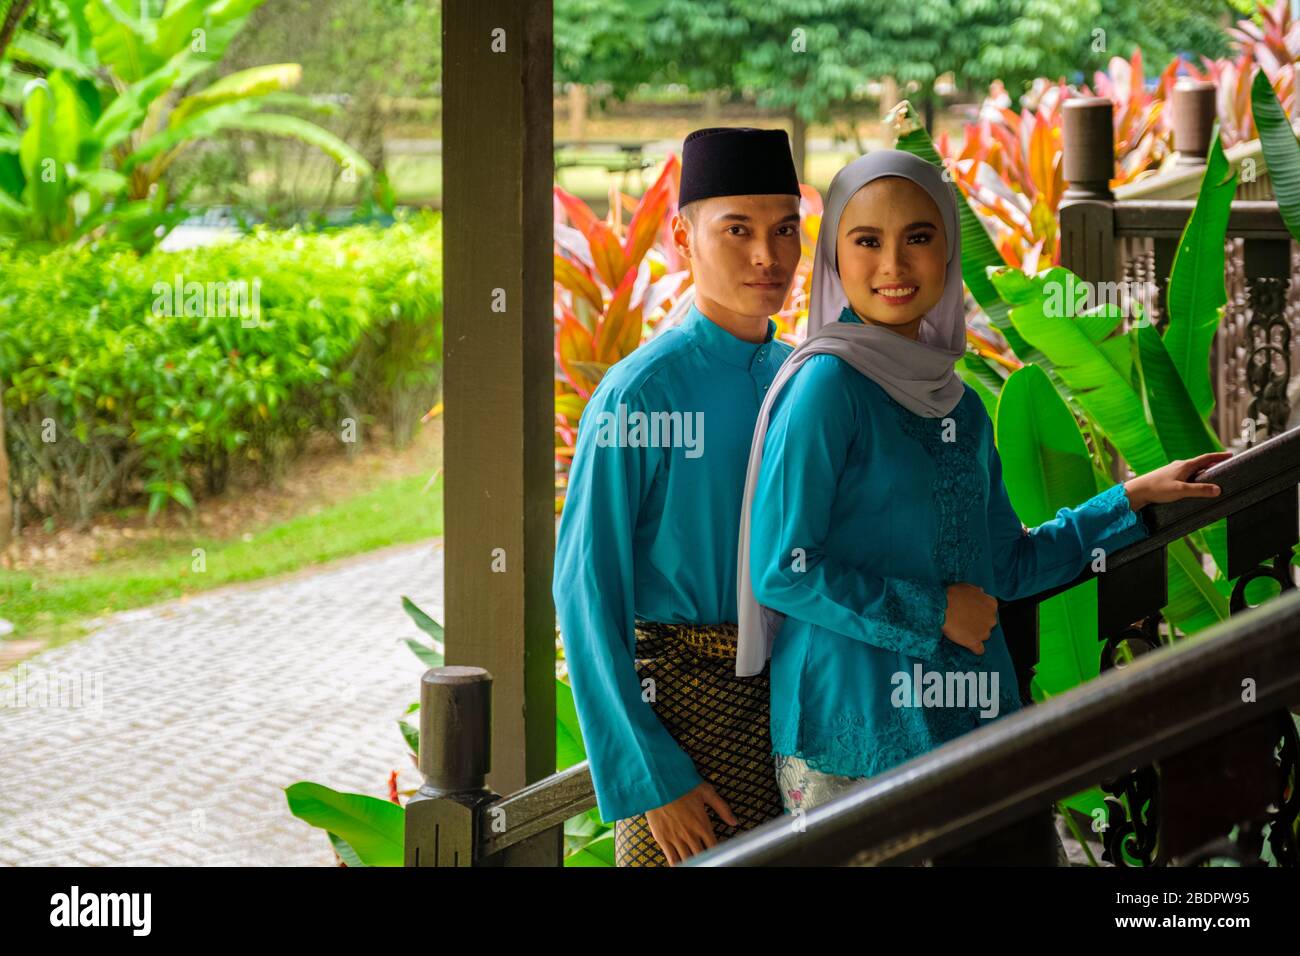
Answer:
(577, 111)
(12, 17)
(888, 94)
(6, 500)
(929, 112)
(798, 142)
(712, 106)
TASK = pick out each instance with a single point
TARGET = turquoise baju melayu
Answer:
(648, 533)
(863, 514)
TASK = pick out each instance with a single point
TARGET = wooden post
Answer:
(1088, 247)
(1087, 216)
(1193, 115)
(1088, 147)
(442, 818)
(499, 501)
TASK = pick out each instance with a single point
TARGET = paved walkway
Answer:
(169, 733)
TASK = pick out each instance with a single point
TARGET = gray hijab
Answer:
(918, 374)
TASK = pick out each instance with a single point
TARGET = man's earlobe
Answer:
(681, 234)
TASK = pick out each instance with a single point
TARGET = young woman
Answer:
(876, 531)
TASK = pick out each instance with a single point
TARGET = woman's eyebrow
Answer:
(874, 229)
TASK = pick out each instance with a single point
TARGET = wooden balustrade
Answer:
(1132, 242)
(1181, 706)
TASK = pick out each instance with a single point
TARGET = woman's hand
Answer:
(970, 617)
(1170, 483)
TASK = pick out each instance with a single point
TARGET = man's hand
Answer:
(682, 828)
(1173, 481)
(970, 616)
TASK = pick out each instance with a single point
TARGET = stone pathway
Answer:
(166, 737)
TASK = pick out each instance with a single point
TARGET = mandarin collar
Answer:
(718, 342)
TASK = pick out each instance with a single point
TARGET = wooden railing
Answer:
(1133, 241)
(1182, 705)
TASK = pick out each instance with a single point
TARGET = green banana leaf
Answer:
(374, 828)
(1281, 152)
(121, 39)
(105, 182)
(569, 748)
(220, 21)
(241, 85)
(1194, 602)
(239, 115)
(1183, 432)
(39, 51)
(278, 124)
(1090, 360)
(127, 111)
(42, 158)
(425, 623)
(205, 124)
(588, 841)
(1046, 467)
(11, 209)
(345, 852)
(133, 46)
(1181, 428)
(1100, 368)
(1197, 293)
(979, 374)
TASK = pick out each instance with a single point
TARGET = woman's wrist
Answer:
(1133, 491)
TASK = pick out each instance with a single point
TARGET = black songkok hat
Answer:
(736, 161)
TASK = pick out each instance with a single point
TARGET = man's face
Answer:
(743, 251)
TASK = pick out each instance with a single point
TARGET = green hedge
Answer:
(116, 389)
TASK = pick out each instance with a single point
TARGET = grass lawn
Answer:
(49, 607)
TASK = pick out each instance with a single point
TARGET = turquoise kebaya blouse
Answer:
(649, 532)
(863, 514)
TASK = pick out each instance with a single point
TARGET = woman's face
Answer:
(892, 253)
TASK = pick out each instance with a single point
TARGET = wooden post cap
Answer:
(455, 727)
(1193, 119)
(1088, 142)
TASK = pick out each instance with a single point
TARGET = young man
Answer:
(645, 564)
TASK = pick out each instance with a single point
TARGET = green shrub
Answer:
(117, 388)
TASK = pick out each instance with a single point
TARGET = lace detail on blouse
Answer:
(912, 622)
(1114, 501)
(956, 484)
(857, 745)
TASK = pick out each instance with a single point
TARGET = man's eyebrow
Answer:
(874, 229)
(741, 217)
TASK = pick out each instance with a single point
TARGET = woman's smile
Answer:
(897, 294)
